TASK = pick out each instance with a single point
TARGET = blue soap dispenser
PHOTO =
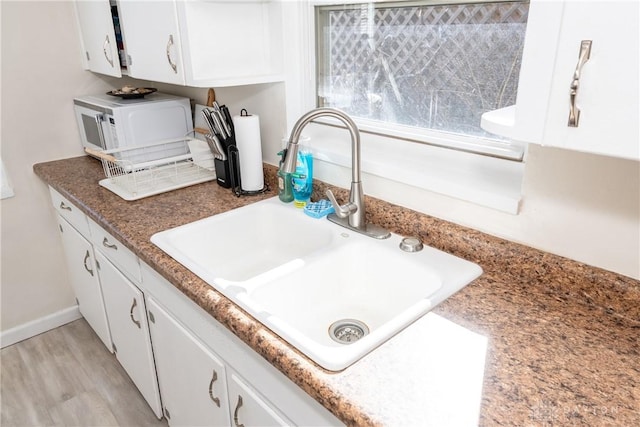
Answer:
(302, 179)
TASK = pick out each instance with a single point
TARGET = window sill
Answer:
(482, 180)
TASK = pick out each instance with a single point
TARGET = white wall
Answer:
(41, 71)
(580, 206)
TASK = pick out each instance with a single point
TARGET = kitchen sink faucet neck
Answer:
(352, 214)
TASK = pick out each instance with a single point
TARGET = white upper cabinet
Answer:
(229, 43)
(98, 37)
(153, 40)
(555, 82)
(200, 43)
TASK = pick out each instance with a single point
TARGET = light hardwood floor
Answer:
(66, 377)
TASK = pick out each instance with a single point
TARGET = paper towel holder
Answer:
(234, 164)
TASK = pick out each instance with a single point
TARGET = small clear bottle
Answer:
(285, 187)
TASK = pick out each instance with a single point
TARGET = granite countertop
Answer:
(562, 343)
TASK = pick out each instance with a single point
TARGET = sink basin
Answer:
(332, 293)
(242, 244)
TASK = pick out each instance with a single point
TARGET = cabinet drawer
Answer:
(115, 252)
(70, 212)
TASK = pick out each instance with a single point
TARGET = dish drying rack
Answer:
(137, 172)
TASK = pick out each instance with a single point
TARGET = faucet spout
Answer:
(353, 214)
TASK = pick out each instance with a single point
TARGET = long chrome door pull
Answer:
(173, 65)
(133, 306)
(583, 57)
(106, 44)
(235, 412)
(214, 378)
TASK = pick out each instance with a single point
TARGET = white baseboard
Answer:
(38, 326)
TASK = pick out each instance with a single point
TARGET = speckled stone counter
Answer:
(563, 337)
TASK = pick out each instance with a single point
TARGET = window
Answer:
(420, 71)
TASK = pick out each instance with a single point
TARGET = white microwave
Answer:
(107, 122)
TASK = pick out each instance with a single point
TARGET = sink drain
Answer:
(347, 331)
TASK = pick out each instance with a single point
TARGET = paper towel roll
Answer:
(247, 130)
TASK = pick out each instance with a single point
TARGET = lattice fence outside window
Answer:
(436, 67)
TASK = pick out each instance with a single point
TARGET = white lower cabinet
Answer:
(83, 275)
(192, 379)
(125, 306)
(197, 388)
(249, 409)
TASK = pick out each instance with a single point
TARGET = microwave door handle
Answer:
(99, 118)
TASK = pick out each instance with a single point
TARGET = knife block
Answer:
(223, 172)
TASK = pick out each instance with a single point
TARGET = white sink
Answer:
(242, 244)
(299, 275)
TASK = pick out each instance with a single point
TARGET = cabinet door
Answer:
(192, 379)
(607, 90)
(229, 43)
(129, 330)
(84, 280)
(153, 40)
(98, 36)
(249, 409)
(607, 94)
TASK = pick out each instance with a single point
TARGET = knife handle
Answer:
(229, 119)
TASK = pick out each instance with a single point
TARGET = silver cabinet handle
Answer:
(583, 57)
(173, 65)
(65, 207)
(235, 412)
(106, 44)
(86, 257)
(133, 306)
(106, 244)
(214, 378)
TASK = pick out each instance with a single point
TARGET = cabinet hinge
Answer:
(151, 318)
(61, 229)
(113, 346)
(77, 302)
(167, 414)
(129, 61)
(97, 264)
(87, 53)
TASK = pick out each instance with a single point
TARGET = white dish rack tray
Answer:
(137, 172)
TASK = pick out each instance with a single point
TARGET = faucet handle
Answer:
(342, 211)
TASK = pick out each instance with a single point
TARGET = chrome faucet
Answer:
(351, 215)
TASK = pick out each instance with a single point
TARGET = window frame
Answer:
(503, 149)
